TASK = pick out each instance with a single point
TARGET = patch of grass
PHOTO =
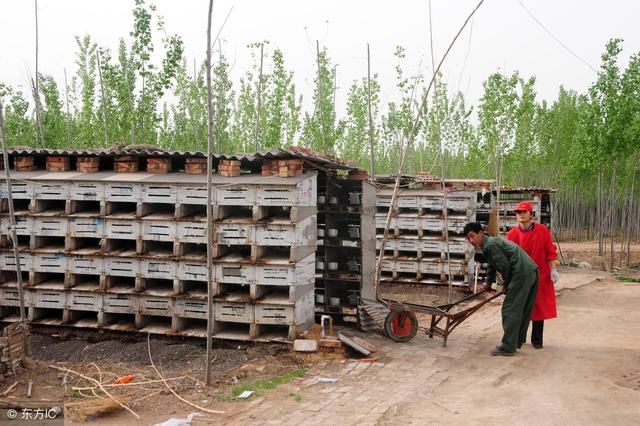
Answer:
(628, 279)
(295, 396)
(261, 385)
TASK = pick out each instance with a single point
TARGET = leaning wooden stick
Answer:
(169, 387)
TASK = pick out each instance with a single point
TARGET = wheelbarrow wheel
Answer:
(401, 325)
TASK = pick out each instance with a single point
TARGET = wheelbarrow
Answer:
(401, 324)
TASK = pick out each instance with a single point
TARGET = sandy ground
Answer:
(587, 373)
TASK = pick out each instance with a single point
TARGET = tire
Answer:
(401, 326)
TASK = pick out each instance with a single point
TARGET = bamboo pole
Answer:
(12, 217)
(66, 101)
(404, 151)
(259, 94)
(105, 112)
(371, 147)
(320, 100)
(209, 201)
(36, 88)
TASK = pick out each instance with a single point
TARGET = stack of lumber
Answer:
(159, 165)
(88, 164)
(229, 168)
(196, 166)
(283, 168)
(126, 164)
(57, 164)
(24, 164)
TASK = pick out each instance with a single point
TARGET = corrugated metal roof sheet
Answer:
(278, 154)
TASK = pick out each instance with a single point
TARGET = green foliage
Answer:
(261, 385)
(152, 95)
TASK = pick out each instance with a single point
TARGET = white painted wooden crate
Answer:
(87, 191)
(87, 227)
(51, 191)
(412, 245)
(234, 233)
(302, 233)
(440, 266)
(457, 223)
(158, 268)
(83, 301)
(234, 312)
(304, 193)
(191, 232)
(235, 273)
(120, 303)
(123, 192)
(406, 266)
(50, 226)
(300, 273)
(236, 195)
(432, 224)
(388, 265)
(121, 266)
(431, 202)
(9, 296)
(8, 261)
(122, 229)
(159, 193)
(193, 194)
(158, 230)
(24, 225)
(411, 201)
(47, 298)
(192, 271)
(89, 265)
(191, 308)
(156, 305)
(19, 190)
(302, 312)
(55, 262)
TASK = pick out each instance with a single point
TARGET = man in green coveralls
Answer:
(520, 284)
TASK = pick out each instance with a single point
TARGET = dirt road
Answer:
(587, 373)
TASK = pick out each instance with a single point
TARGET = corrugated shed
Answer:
(319, 159)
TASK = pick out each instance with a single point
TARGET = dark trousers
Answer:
(516, 310)
(536, 332)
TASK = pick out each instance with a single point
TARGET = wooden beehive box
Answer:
(358, 175)
(196, 166)
(57, 163)
(88, 164)
(24, 163)
(126, 164)
(229, 168)
(158, 165)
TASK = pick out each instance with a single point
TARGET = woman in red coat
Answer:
(535, 239)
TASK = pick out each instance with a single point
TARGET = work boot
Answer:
(537, 345)
(500, 351)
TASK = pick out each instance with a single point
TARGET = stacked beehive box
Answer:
(416, 248)
(127, 251)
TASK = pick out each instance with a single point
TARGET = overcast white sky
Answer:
(503, 37)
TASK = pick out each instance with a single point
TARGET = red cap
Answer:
(523, 206)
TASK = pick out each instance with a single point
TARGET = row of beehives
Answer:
(271, 316)
(275, 232)
(73, 269)
(425, 243)
(245, 190)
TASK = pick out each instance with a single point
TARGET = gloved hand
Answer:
(555, 275)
